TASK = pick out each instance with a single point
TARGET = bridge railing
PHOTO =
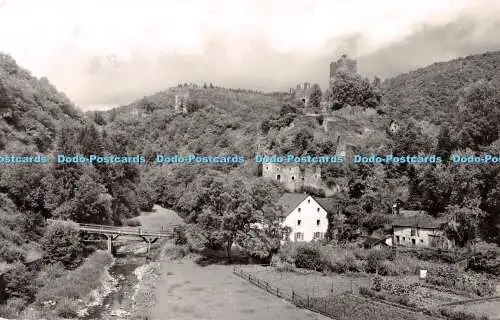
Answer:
(125, 229)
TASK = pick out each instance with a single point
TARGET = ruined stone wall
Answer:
(181, 99)
(302, 92)
(294, 178)
(289, 175)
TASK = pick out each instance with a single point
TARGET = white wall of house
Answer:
(307, 221)
(420, 237)
(388, 241)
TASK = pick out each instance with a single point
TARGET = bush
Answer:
(282, 266)
(132, 222)
(49, 273)
(374, 261)
(309, 257)
(388, 268)
(18, 282)
(78, 283)
(460, 315)
(377, 283)
(61, 242)
(477, 284)
(487, 261)
(178, 252)
(364, 291)
(67, 308)
(180, 237)
(10, 252)
(12, 308)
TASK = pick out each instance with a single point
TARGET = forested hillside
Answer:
(37, 119)
(430, 93)
(446, 107)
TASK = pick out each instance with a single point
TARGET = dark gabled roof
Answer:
(290, 201)
(418, 221)
(372, 241)
(329, 204)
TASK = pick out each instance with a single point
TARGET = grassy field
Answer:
(159, 217)
(488, 308)
(187, 291)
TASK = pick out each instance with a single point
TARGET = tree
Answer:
(302, 141)
(227, 213)
(464, 224)
(411, 141)
(352, 90)
(444, 144)
(315, 97)
(478, 116)
(61, 243)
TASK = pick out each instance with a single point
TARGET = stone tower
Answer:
(344, 65)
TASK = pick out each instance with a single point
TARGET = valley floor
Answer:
(187, 291)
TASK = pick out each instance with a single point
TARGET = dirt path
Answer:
(187, 291)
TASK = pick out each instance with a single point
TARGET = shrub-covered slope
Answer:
(429, 93)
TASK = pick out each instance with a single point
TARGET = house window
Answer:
(299, 236)
(413, 241)
(278, 177)
(413, 232)
(404, 239)
(317, 210)
(318, 222)
(308, 200)
(300, 209)
(318, 235)
(397, 239)
(298, 222)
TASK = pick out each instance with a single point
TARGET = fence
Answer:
(314, 304)
(342, 305)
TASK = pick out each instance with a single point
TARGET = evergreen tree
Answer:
(315, 97)
(444, 144)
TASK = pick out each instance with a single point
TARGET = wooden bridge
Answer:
(149, 235)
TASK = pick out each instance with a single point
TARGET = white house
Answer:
(306, 216)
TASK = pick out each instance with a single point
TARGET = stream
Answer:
(123, 272)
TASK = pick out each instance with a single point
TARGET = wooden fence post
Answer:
(293, 296)
(308, 304)
(277, 291)
(267, 286)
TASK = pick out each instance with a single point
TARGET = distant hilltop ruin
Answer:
(344, 65)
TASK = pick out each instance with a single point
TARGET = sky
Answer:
(107, 53)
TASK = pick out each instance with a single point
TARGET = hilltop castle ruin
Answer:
(294, 177)
(344, 65)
